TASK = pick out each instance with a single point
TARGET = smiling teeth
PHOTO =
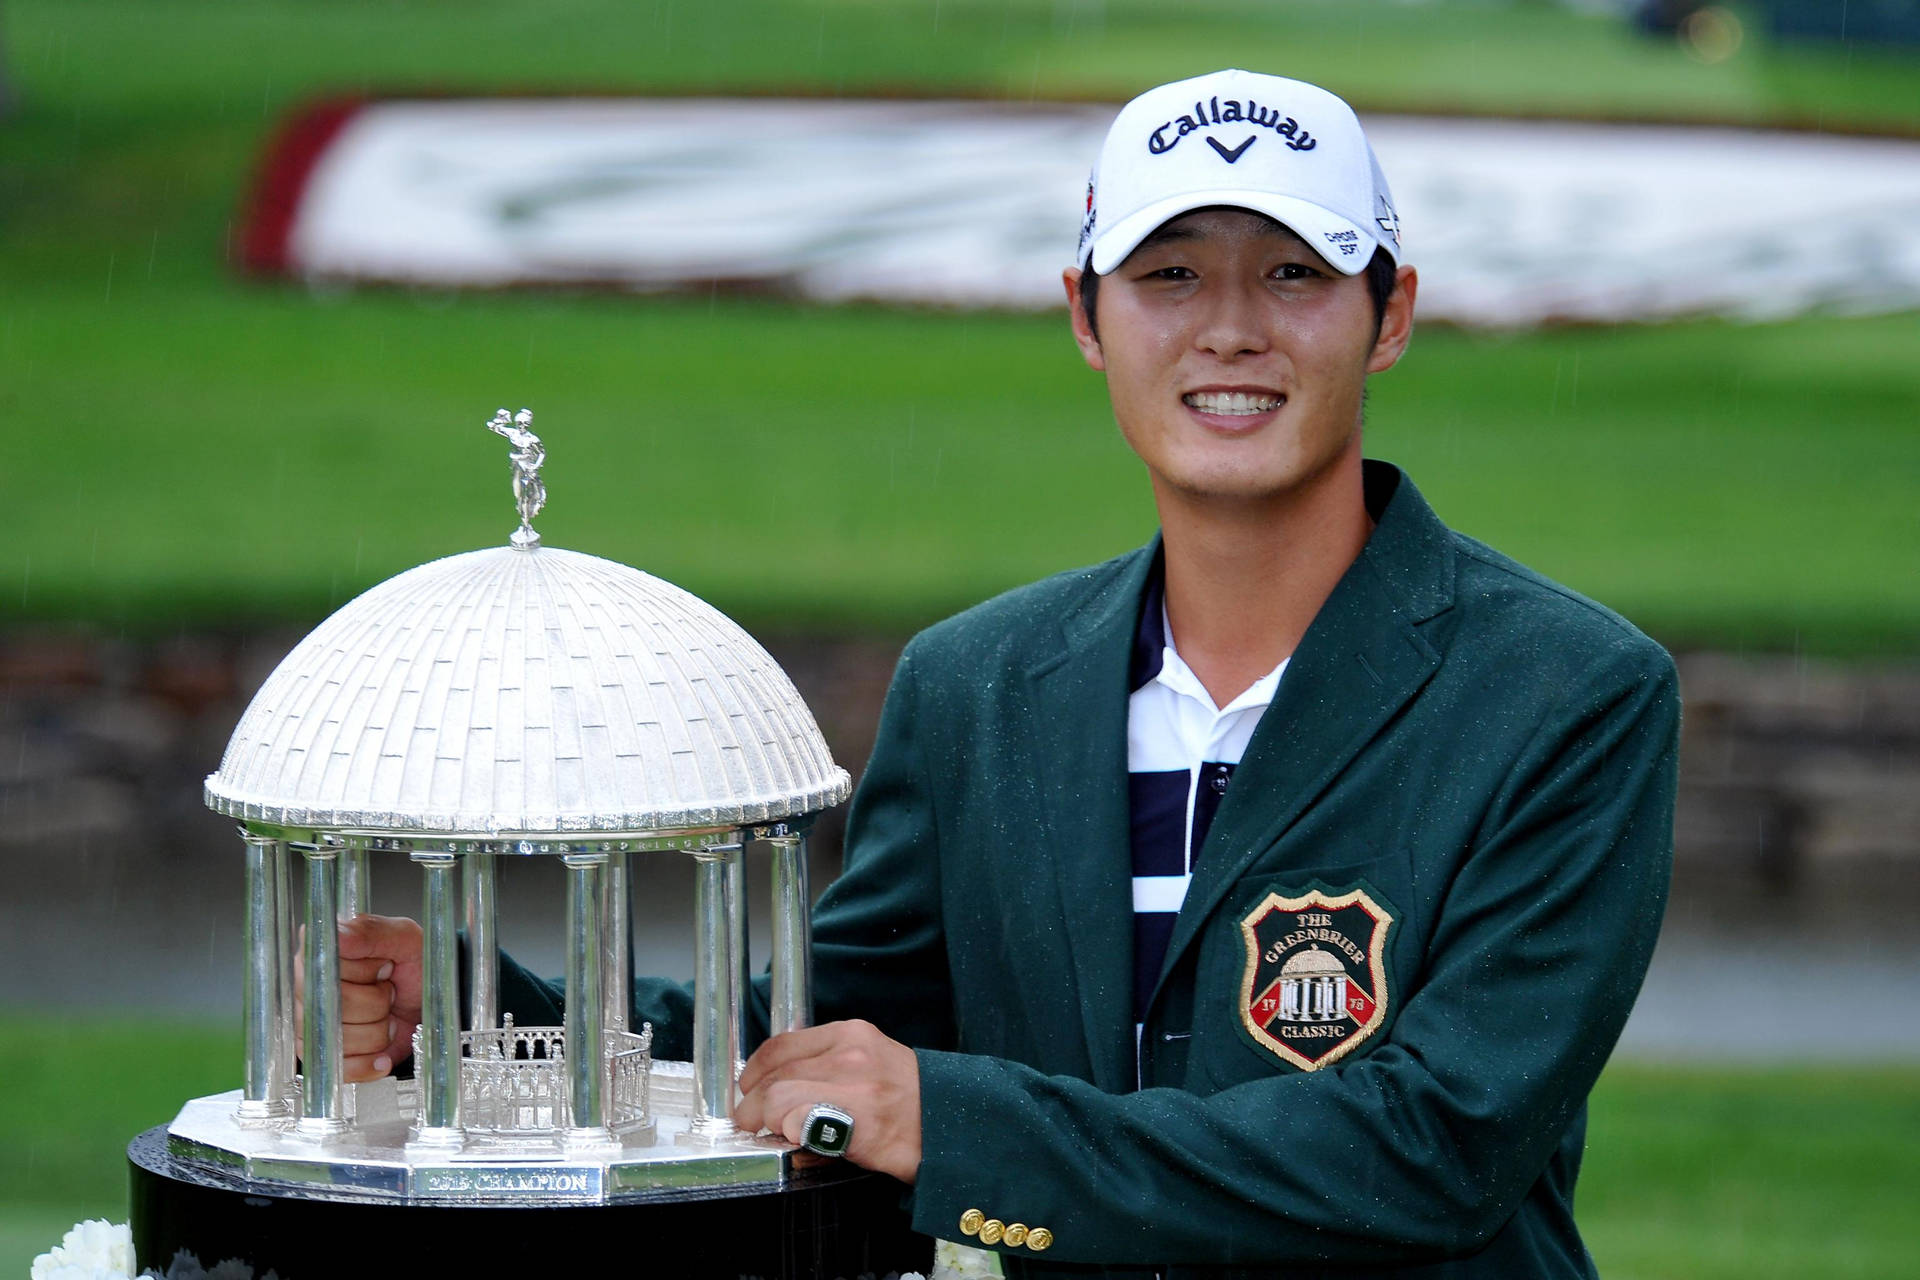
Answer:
(1230, 402)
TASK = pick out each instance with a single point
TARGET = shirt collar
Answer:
(1410, 551)
(1156, 658)
(1150, 632)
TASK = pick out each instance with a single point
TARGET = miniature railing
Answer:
(513, 1079)
(515, 1044)
(630, 1058)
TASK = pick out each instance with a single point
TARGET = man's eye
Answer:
(1171, 273)
(1295, 271)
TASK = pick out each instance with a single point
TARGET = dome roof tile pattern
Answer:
(511, 691)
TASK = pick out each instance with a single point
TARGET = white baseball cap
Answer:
(1281, 147)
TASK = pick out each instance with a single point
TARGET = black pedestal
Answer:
(837, 1222)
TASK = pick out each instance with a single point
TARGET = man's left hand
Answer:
(855, 1068)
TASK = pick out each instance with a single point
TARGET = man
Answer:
(1268, 899)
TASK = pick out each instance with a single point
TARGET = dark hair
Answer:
(1380, 275)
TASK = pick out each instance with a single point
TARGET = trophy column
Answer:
(737, 968)
(269, 1055)
(439, 1068)
(619, 961)
(483, 940)
(322, 1095)
(586, 999)
(792, 936)
(355, 886)
(716, 1011)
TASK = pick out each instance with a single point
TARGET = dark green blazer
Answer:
(1487, 758)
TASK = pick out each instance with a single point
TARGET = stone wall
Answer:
(1790, 768)
(1794, 771)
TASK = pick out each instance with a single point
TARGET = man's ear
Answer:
(1396, 322)
(1083, 336)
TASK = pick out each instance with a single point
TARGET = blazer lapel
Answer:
(1360, 661)
(1080, 718)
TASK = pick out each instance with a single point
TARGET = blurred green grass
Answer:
(254, 454)
(190, 449)
(1692, 1173)
(1703, 1173)
(71, 1105)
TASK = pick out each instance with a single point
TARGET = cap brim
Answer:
(1323, 231)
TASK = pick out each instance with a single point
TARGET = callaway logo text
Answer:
(1213, 111)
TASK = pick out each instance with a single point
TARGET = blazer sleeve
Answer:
(1421, 1149)
(879, 948)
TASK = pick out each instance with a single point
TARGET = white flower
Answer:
(44, 1268)
(94, 1250)
(955, 1261)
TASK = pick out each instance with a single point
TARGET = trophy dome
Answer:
(525, 690)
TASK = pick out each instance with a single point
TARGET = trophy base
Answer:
(384, 1153)
(829, 1220)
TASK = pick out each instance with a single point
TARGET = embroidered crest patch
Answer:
(1315, 984)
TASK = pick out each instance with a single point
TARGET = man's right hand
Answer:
(379, 993)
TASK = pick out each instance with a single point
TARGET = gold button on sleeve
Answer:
(1016, 1234)
(992, 1230)
(971, 1222)
(1039, 1238)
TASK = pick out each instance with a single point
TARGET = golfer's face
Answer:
(1235, 356)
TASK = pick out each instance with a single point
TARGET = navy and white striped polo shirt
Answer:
(1181, 753)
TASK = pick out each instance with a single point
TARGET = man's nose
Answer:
(1232, 323)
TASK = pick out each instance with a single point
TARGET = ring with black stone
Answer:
(828, 1130)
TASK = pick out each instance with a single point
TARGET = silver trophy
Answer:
(520, 701)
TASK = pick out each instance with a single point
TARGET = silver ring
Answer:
(828, 1130)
